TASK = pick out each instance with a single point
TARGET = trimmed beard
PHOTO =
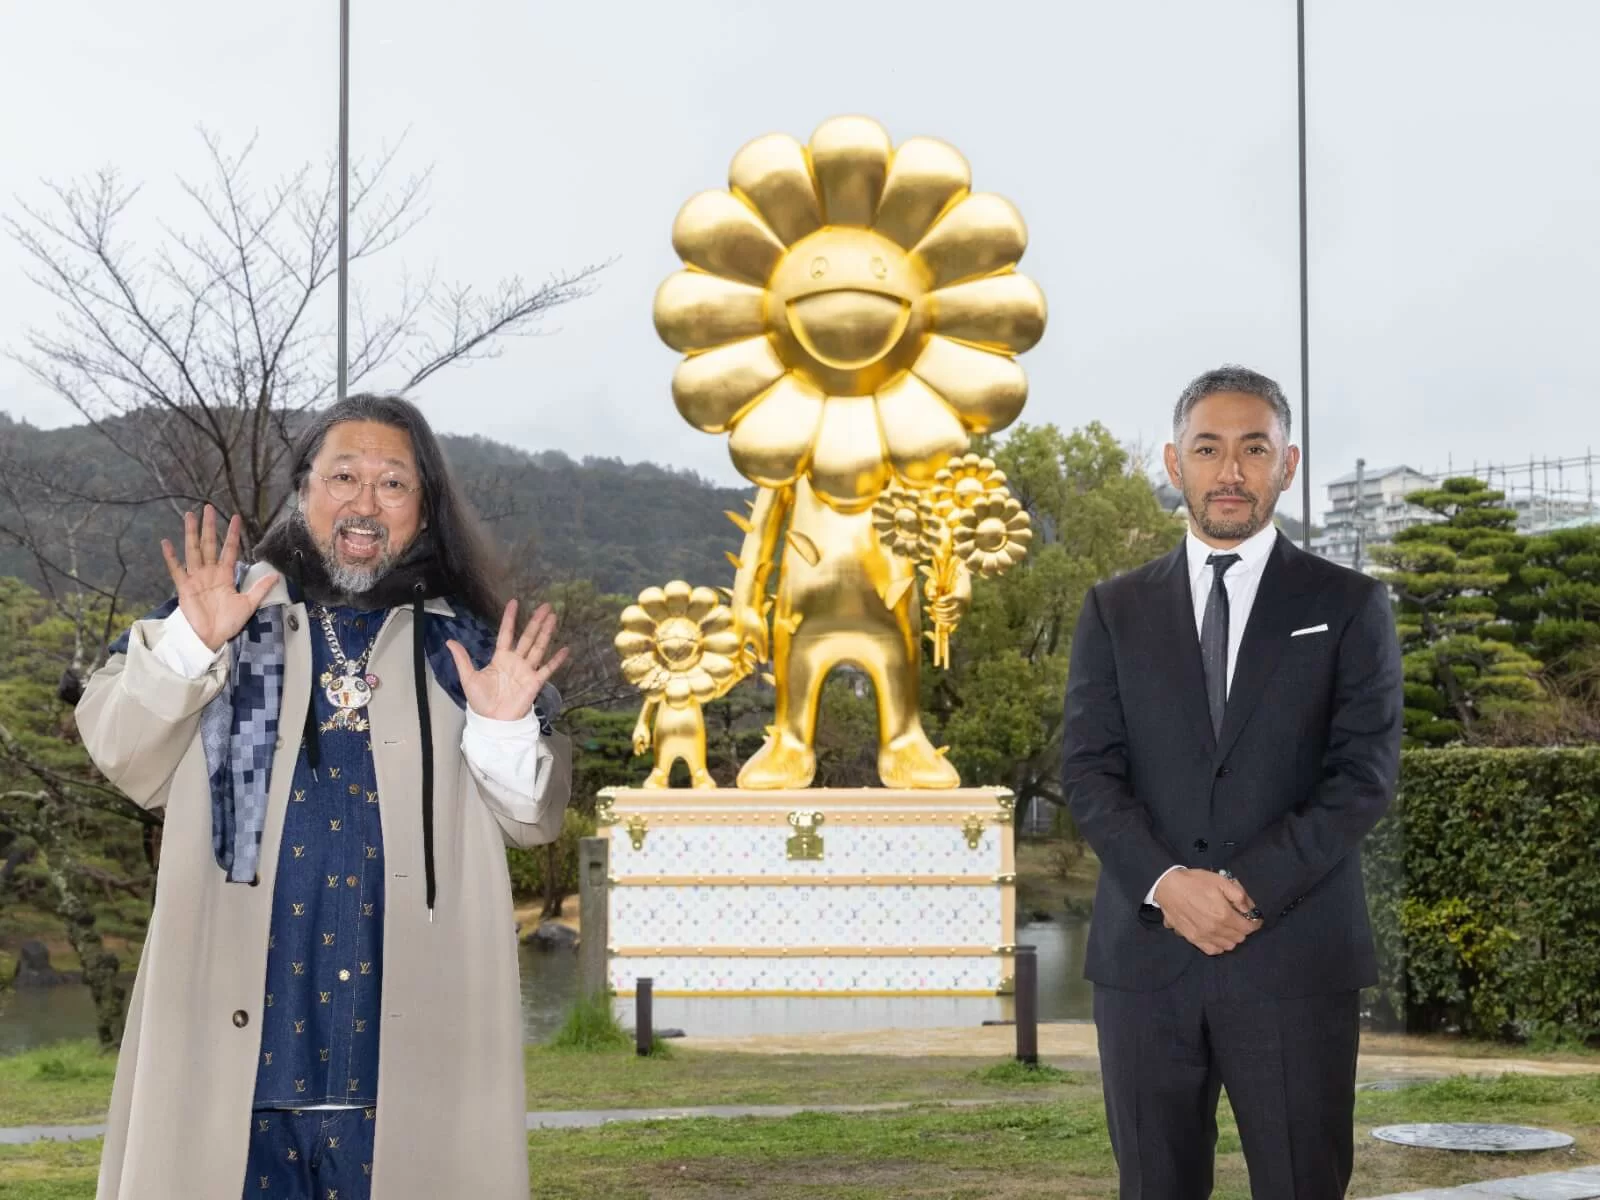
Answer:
(1237, 530)
(343, 578)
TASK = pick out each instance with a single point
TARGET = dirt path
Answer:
(1383, 1056)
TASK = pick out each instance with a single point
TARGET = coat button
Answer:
(1224, 772)
(1202, 845)
(294, 623)
(240, 1018)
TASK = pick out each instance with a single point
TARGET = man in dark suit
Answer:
(1233, 720)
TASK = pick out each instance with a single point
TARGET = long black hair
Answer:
(456, 535)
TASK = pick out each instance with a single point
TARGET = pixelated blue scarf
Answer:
(239, 727)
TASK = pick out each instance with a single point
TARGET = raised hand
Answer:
(214, 607)
(507, 687)
(1206, 910)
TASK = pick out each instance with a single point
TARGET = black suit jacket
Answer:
(1306, 764)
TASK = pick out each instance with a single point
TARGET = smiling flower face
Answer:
(679, 642)
(849, 311)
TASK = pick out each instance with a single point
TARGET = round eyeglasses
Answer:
(390, 492)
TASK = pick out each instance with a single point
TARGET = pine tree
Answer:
(1463, 665)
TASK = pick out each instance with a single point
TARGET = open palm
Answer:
(505, 689)
(210, 600)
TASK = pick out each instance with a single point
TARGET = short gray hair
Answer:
(1230, 378)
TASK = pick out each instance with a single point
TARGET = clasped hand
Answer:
(1206, 910)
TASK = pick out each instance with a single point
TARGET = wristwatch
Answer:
(1255, 913)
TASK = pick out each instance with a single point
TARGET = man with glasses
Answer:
(327, 1006)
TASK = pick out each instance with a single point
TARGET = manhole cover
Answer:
(1493, 1139)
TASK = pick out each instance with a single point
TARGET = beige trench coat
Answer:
(451, 1095)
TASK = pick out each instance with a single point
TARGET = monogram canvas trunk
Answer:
(816, 892)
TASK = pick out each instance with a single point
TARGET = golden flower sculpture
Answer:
(849, 311)
(961, 481)
(906, 523)
(678, 646)
(993, 534)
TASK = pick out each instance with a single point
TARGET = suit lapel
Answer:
(1182, 645)
(1272, 617)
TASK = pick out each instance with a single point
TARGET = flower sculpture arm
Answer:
(642, 727)
(750, 600)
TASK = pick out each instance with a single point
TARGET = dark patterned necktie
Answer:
(1214, 639)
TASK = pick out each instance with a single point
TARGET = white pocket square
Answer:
(1309, 629)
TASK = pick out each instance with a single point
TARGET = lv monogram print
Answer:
(321, 1027)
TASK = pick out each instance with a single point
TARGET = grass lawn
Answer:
(1038, 1138)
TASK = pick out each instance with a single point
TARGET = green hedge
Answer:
(527, 867)
(1484, 887)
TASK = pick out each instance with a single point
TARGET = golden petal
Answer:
(771, 175)
(1003, 312)
(724, 643)
(717, 232)
(850, 158)
(713, 388)
(701, 601)
(981, 235)
(919, 428)
(701, 684)
(986, 390)
(770, 442)
(848, 468)
(927, 176)
(631, 642)
(696, 311)
(718, 620)
(717, 666)
(654, 601)
(677, 593)
(637, 668)
(636, 620)
(678, 691)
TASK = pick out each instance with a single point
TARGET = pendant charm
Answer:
(349, 692)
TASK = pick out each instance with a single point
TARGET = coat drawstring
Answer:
(420, 663)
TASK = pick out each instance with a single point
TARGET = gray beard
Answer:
(343, 578)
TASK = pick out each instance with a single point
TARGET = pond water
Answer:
(550, 983)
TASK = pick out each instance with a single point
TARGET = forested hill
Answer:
(625, 526)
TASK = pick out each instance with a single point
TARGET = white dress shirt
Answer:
(1242, 581)
(505, 751)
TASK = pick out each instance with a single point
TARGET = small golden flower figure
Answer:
(993, 535)
(679, 647)
(964, 480)
(906, 523)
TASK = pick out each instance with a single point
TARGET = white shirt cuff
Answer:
(504, 751)
(180, 649)
(1150, 898)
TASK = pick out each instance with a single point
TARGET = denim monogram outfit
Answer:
(323, 1007)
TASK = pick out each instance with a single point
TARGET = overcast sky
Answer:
(1454, 185)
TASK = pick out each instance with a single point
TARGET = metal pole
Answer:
(1305, 305)
(1027, 1006)
(644, 999)
(344, 197)
(1361, 485)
